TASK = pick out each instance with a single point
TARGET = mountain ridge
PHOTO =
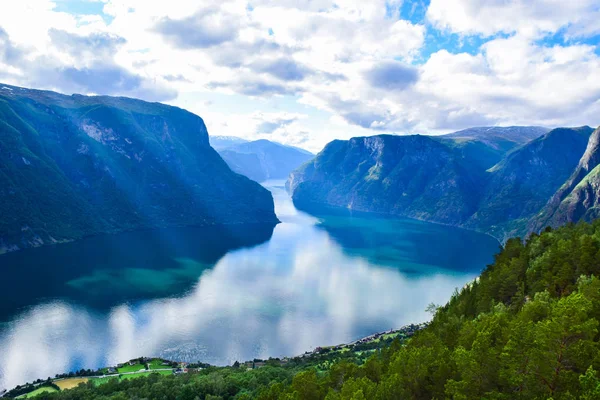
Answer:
(469, 191)
(73, 166)
(262, 159)
(578, 196)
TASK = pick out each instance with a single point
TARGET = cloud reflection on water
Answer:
(308, 292)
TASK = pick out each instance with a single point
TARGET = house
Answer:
(178, 371)
(132, 362)
(259, 364)
(120, 365)
(112, 370)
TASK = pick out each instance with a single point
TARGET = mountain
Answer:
(262, 159)
(578, 198)
(521, 184)
(222, 142)
(411, 176)
(73, 166)
(486, 146)
(435, 179)
(501, 137)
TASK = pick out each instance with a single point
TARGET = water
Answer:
(223, 294)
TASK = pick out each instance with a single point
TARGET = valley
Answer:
(260, 160)
(300, 200)
(226, 276)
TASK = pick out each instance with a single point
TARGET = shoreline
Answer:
(407, 330)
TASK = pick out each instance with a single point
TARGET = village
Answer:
(404, 332)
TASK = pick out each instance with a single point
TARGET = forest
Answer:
(527, 328)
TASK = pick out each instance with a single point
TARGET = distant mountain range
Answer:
(259, 160)
(502, 181)
(72, 166)
(505, 138)
(222, 142)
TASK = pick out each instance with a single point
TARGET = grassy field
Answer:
(133, 376)
(70, 383)
(40, 390)
(157, 364)
(131, 368)
(100, 381)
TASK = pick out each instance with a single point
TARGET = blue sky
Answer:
(304, 72)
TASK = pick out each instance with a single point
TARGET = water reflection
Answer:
(299, 290)
(104, 271)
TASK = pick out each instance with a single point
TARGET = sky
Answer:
(305, 72)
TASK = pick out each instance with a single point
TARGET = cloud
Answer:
(270, 123)
(356, 68)
(283, 68)
(176, 78)
(94, 72)
(206, 28)
(529, 18)
(255, 88)
(237, 53)
(391, 75)
(97, 44)
(102, 78)
(9, 53)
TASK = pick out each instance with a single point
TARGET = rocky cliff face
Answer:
(411, 176)
(578, 198)
(72, 166)
(435, 179)
(521, 184)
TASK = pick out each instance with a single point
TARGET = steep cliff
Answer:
(411, 176)
(72, 166)
(437, 179)
(521, 184)
(579, 197)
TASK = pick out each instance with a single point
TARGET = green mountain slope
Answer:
(449, 180)
(72, 166)
(521, 184)
(484, 147)
(411, 176)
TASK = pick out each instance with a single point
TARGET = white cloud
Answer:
(349, 65)
(526, 17)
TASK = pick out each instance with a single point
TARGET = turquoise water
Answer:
(218, 295)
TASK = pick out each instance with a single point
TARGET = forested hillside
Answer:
(74, 166)
(527, 328)
(477, 180)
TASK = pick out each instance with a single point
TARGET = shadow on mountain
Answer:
(103, 271)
